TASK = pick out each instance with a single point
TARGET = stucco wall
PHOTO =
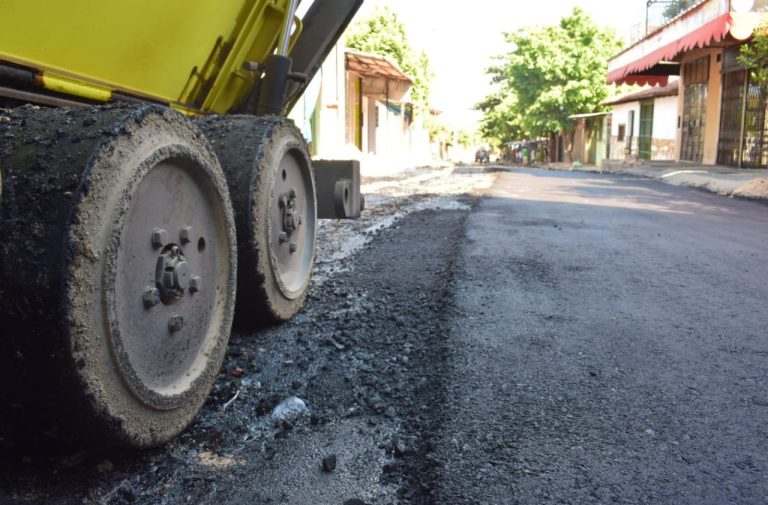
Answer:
(665, 118)
(663, 146)
(621, 117)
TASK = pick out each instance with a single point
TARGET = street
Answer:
(482, 336)
(610, 346)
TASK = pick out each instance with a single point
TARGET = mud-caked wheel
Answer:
(272, 185)
(118, 268)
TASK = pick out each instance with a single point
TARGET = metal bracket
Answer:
(338, 189)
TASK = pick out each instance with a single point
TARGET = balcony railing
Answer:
(660, 12)
(657, 14)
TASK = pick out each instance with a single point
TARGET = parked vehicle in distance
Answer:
(483, 155)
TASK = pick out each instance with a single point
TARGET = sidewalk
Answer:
(726, 181)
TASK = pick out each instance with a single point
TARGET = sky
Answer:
(462, 37)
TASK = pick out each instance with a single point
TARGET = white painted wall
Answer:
(665, 118)
(621, 116)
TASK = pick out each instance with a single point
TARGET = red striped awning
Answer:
(715, 30)
(644, 80)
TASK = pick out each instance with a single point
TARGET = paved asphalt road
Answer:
(611, 346)
(566, 338)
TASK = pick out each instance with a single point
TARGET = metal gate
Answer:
(743, 127)
(730, 146)
(645, 138)
(755, 153)
(696, 82)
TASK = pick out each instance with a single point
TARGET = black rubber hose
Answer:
(10, 75)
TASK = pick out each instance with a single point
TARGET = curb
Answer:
(734, 185)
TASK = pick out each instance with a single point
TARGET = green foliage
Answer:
(383, 33)
(437, 129)
(551, 73)
(675, 7)
(465, 138)
(754, 56)
(500, 122)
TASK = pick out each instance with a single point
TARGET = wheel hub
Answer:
(291, 221)
(173, 275)
(162, 344)
(292, 234)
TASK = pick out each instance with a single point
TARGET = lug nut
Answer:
(195, 284)
(168, 280)
(159, 238)
(175, 323)
(283, 237)
(151, 297)
(186, 235)
(292, 248)
(292, 193)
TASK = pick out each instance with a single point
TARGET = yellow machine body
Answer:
(186, 53)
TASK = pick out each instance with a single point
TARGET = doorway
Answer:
(696, 84)
(645, 138)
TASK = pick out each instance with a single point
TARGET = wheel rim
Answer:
(292, 229)
(164, 288)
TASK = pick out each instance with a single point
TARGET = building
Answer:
(590, 138)
(643, 123)
(721, 114)
(358, 107)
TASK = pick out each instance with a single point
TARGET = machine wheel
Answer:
(118, 270)
(272, 185)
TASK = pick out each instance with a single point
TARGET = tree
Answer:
(551, 73)
(500, 121)
(754, 56)
(675, 7)
(383, 33)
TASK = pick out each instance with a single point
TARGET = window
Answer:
(622, 132)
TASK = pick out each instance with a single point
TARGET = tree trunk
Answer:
(568, 136)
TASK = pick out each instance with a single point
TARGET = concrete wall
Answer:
(664, 142)
(325, 97)
(665, 118)
(621, 117)
(665, 131)
(663, 149)
(372, 125)
(353, 102)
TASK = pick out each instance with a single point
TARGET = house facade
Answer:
(721, 115)
(643, 124)
(358, 107)
(590, 138)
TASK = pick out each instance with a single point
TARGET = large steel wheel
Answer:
(123, 250)
(272, 184)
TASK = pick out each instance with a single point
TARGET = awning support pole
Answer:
(742, 133)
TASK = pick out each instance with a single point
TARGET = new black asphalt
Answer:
(565, 338)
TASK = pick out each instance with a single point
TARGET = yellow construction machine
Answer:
(151, 193)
